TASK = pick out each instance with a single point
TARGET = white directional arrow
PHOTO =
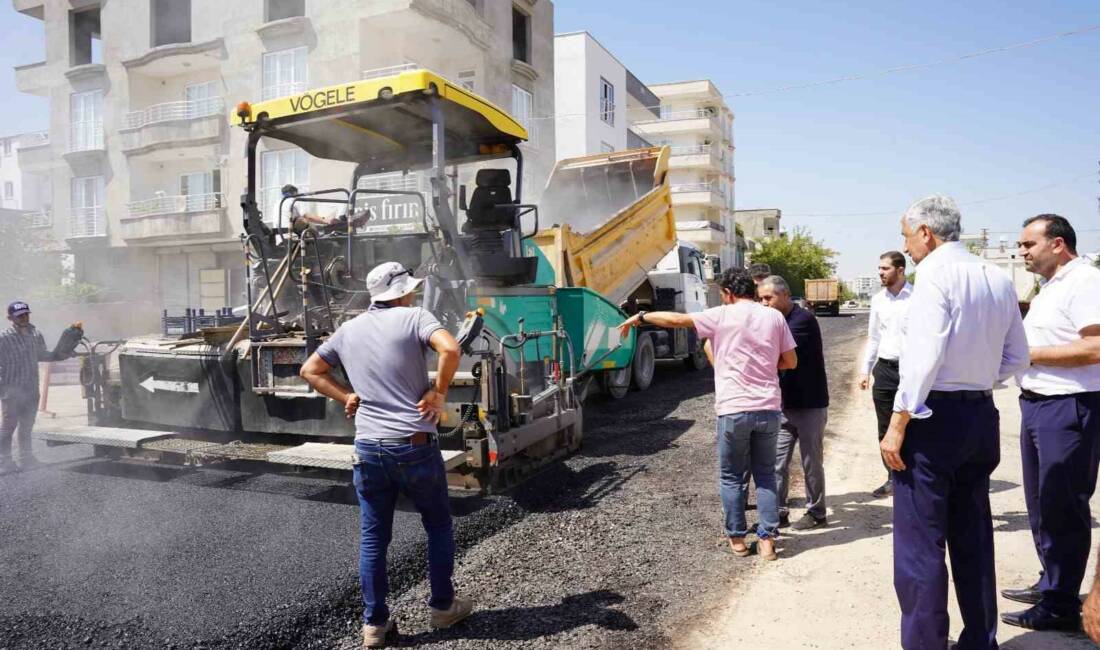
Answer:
(151, 384)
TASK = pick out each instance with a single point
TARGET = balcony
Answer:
(38, 219)
(87, 223)
(178, 58)
(690, 121)
(85, 139)
(173, 124)
(701, 232)
(34, 153)
(698, 194)
(696, 156)
(32, 8)
(635, 141)
(175, 217)
(32, 79)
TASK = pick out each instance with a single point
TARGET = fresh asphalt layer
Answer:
(99, 553)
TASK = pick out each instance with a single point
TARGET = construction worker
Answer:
(383, 355)
(22, 347)
(1060, 427)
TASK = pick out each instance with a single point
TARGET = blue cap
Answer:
(18, 308)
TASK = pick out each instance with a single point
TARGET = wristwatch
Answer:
(641, 317)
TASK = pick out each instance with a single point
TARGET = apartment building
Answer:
(1004, 254)
(695, 121)
(597, 99)
(145, 170)
(866, 286)
(21, 191)
(757, 226)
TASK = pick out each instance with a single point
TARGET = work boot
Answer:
(376, 636)
(884, 490)
(444, 618)
(808, 522)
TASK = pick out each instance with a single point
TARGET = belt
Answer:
(416, 440)
(960, 395)
(893, 363)
(1032, 396)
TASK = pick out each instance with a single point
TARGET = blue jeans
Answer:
(747, 441)
(381, 473)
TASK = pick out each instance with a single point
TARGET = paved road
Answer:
(98, 553)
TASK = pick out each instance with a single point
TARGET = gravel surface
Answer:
(615, 547)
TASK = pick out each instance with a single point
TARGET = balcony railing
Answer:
(389, 71)
(697, 187)
(692, 114)
(691, 150)
(38, 219)
(176, 204)
(396, 182)
(172, 111)
(85, 136)
(283, 89)
(88, 222)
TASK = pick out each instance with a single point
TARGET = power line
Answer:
(896, 212)
(881, 73)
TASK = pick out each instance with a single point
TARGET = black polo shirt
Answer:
(805, 387)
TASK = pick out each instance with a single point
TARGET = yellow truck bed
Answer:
(613, 220)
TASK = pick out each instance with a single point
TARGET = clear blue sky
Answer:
(980, 129)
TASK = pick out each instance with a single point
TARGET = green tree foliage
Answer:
(32, 267)
(844, 292)
(796, 257)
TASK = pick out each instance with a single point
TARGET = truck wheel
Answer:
(696, 360)
(616, 383)
(645, 363)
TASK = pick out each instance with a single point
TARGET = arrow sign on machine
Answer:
(152, 384)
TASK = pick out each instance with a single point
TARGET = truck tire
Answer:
(616, 383)
(645, 363)
(696, 360)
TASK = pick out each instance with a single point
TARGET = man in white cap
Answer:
(383, 355)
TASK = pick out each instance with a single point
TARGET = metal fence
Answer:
(171, 111)
(85, 136)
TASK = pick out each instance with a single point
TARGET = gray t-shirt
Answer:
(383, 352)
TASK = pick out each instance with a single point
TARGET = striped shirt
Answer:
(19, 357)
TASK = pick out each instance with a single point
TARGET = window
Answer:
(87, 206)
(202, 99)
(521, 35)
(85, 45)
(7, 147)
(201, 190)
(468, 80)
(9, 190)
(285, 73)
(280, 9)
(279, 168)
(171, 21)
(522, 104)
(666, 111)
(606, 148)
(607, 101)
(86, 121)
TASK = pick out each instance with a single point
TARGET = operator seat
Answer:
(494, 233)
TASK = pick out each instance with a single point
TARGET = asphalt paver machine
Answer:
(234, 392)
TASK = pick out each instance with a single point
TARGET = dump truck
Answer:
(535, 309)
(823, 296)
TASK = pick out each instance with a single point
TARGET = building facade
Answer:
(695, 121)
(21, 191)
(145, 170)
(866, 286)
(1004, 255)
(597, 99)
(757, 226)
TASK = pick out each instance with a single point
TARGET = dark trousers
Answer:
(17, 422)
(885, 374)
(941, 500)
(1060, 446)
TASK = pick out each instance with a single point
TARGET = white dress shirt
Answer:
(884, 327)
(963, 331)
(1066, 304)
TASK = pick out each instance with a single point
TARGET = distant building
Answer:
(757, 226)
(696, 122)
(1003, 255)
(866, 286)
(20, 189)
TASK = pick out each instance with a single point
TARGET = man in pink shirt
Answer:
(751, 343)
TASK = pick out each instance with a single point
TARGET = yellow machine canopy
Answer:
(385, 124)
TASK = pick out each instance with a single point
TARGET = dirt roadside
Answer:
(833, 588)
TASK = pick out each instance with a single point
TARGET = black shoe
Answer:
(809, 522)
(884, 490)
(784, 521)
(1028, 595)
(1040, 618)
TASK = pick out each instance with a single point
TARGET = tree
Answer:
(796, 257)
(32, 265)
(844, 293)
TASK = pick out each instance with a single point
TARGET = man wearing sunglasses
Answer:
(1060, 427)
(383, 355)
